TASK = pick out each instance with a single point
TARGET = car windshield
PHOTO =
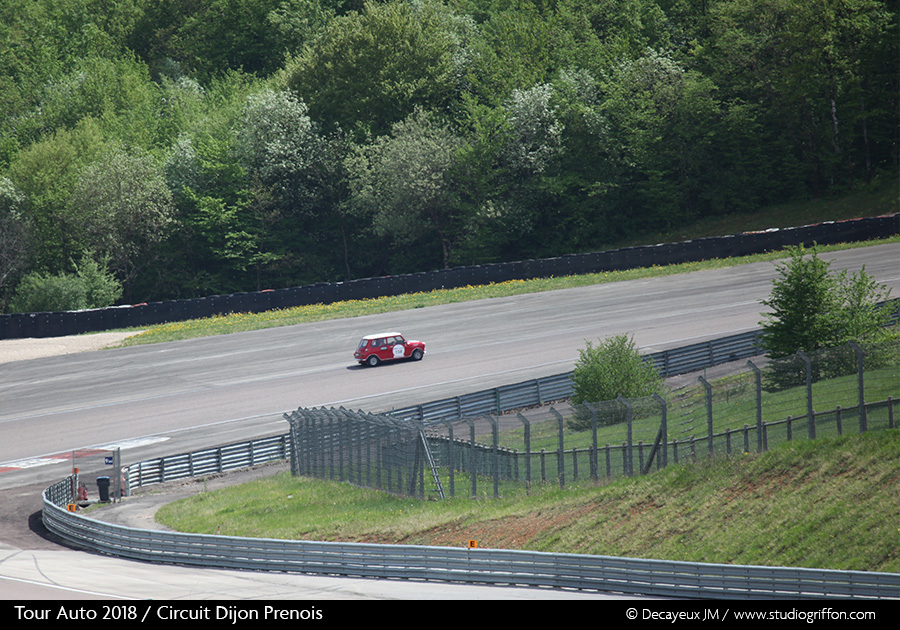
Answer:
(363, 343)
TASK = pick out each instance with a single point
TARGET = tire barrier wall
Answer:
(25, 325)
(458, 565)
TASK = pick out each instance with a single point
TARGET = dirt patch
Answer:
(36, 348)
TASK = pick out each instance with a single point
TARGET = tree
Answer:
(123, 209)
(518, 47)
(812, 309)
(406, 181)
(511, 154)
(612, 369)
(275, 141)
(818, 68)
(208, 37)
(219, 233)
(13, 233)
(536, 130)
(46, 173)
(662, 116)
(370, 70)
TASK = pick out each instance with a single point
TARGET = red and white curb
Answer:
(77, 454)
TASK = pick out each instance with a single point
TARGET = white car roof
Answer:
(380, 335)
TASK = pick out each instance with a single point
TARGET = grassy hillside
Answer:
(828, 503)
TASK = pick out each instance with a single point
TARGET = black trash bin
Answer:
(103, 488)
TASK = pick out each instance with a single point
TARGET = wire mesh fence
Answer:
(372, 450)
(755, 407)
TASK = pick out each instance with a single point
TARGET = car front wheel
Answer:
(417, 355)
(372, 361)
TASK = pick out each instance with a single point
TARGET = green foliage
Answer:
(611, 369)
(406, 181)
(46, 173)
(40, 293)
(101, 288)
(13, 233)
(370, 70)
(123, 209)
(576, 125)
(812, 308)
(91, 286)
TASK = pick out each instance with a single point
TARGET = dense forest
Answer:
(156, 149)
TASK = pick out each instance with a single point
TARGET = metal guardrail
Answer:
(683, 360)
(629, 576)
(486, 402)
(208, 462)
(477, 566)
(539, 391)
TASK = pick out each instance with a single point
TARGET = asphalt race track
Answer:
(182, 396)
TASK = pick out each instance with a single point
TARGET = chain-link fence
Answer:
(371, 450)
(754, 407)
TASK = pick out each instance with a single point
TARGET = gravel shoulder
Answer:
(32, 348)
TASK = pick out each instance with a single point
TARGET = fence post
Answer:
(527, 426)
(451, 458)
(810, 417)
(560, 458)
(595, 473)
(664, 431)
(757, 373)
(344, 453)
(495, 453)
(628, 454)
(472, 470)
(863, 416)
(709, 412)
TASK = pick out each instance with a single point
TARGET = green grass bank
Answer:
(828, 503)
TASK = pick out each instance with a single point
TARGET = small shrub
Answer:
(609, 370)
(90, 287)
(43, 293)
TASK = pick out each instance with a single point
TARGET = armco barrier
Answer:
(498, 567)
(497, 400)
(22, 325)
(477, 566)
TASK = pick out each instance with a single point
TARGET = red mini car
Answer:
(374, 349)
